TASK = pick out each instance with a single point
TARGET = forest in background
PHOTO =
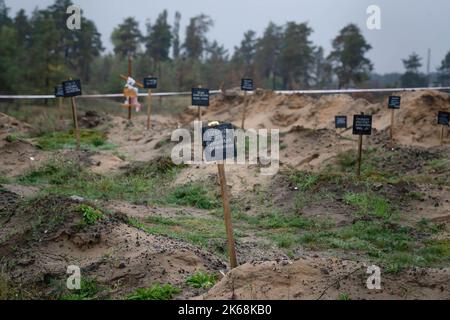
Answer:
(39, 51)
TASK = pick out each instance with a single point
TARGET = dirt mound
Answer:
(19, 156)
(321, 278)
(137, 142)
(41, 238)
(92, 119)
(416, 121)
(10, 125)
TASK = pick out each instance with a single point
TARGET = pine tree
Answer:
(348, 58)
(244, 56)
(296, 56)
(126, 38)
(196, 41)
(412, 77)
(268, 52)
(176, 36)
(158, 40)
(444, 71)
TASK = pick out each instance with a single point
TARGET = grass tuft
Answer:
(201, 280)
(156, 292)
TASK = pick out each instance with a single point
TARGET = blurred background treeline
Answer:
(38, 51)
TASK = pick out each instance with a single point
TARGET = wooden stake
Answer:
(130, 72)
(227, 216)
(60, 102)
(149, 108)
(245, 110)
(392, 127)
(75, 123)
(442, 135)
(358, 172)
(199, 109)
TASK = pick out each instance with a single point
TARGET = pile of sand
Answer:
(10, 125)
(326, 278)
(416, 120)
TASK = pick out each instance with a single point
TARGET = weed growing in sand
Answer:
(11, 138)
(3, 178)
(347, 160)
(89, 290)
(4, 285)
(90, 215)
(156, 292)
(284, 240)
(304, 181)
(425, 225)
(201, 280)
(415, 195)
(344, 297)
(89, 139)
(438, 165)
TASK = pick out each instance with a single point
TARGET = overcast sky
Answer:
(407, 25)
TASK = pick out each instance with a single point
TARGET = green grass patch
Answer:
(202, 280)
(89, 139)
(304, 180)
(55, 171)
(155, 292)
(203, 232)
(393, 246)
(11, 138)
(273, 219)
(438, 165)
(3, 178)
(370, 166)
(368, 204)
(425, 225)
(146, 183)
(193, 195)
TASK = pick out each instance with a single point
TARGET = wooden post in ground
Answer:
(360, 142)
(130, 72)
(199, 109)
(75, 123)
(392, 127)
(227, 216)
(442, 134)
(149, 109)
(244, 113)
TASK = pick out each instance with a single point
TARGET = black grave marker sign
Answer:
(340, 122)
(247, 85)
(444, 118)
(394, 102)
(150, 83)
(59, 92)
(200, 97)
(71, 88)
(219, 142)
(362, 125)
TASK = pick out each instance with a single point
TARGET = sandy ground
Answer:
(119, 254)
(315, 278)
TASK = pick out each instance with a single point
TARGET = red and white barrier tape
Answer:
(213, 92)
